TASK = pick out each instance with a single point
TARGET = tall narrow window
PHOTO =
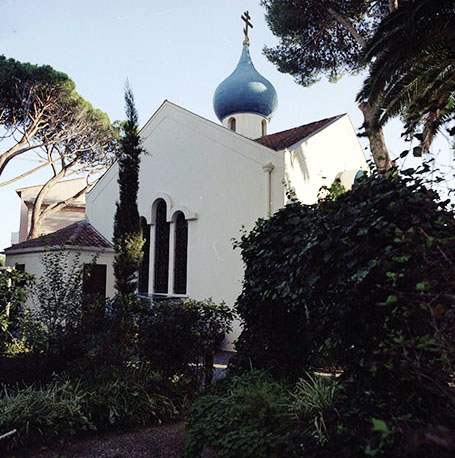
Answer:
(143, 284)
(181, 254)
(161, 265)
(232, 124)
(264, 127)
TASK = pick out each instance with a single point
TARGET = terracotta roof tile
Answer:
(286, 138)
(80, 234)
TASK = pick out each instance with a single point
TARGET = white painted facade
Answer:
(31, 259)
(221, 181)
(318, 159)
(247, 124)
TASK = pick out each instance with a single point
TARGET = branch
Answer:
(26, 174)
(20, 147)
(314, 37)
(393, 5)
(348, 26)
(9, 155)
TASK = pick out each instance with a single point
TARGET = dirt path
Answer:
(166, 441)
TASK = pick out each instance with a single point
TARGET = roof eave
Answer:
(40, 249)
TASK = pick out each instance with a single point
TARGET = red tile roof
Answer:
(286, 138)
(80, 234)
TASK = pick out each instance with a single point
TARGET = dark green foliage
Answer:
(128, 238)
(413, 54)
(180, 337)
(363, 283)
(42, 80)
(356, 261)
(245, 421)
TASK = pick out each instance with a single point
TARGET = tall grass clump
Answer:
(313, 401)
(42, 414)
(124, 398)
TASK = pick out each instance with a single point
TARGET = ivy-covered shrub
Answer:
(180, 337)
(363, 283)
(248, 419)
(342, 275)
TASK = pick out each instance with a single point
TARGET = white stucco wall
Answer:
(216, 177)
(32, 261)
(318, 159)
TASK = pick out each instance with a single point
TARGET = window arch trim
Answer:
(155, 201)
(171, 210)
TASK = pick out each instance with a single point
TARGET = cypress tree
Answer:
(128, 240)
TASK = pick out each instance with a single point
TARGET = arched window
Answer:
(180, 253)
(264, 127)
(232, 124)
(161, 264)
(143, 283)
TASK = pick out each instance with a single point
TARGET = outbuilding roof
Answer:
(79, 234)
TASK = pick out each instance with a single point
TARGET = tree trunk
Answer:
(36, 219)
(376, 137)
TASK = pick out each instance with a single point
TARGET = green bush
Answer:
(58, 298)
(362, 282)
(364, 279)
(247, 420)
(180, 337)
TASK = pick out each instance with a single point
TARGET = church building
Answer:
(202, 183)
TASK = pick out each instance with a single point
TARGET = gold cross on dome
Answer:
(246, 17)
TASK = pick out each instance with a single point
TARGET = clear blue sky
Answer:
(178, 50)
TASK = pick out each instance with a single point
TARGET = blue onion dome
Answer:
(245, 91)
